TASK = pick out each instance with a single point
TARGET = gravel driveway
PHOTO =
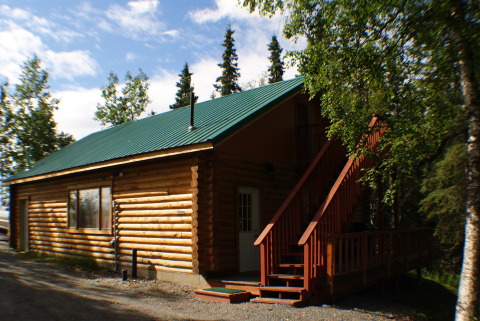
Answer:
(37, 291)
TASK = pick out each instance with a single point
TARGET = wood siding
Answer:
(156, 212)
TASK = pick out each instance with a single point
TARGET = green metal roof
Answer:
(214, 120)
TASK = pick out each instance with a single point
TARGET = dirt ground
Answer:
(31, 290)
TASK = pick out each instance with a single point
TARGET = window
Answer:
(90, 208)
(245, 212)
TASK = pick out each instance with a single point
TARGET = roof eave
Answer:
(114, 162)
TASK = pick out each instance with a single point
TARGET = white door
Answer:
(248, 213)
(23, 224)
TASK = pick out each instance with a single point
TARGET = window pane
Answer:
(245, 211)
(72, 209)
(88, 208)
(106, 208)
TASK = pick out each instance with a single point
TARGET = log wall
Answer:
(156, 211)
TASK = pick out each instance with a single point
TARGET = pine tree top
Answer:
(228, 81)
(276, 68)
(184, 85)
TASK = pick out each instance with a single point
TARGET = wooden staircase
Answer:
(292, 246)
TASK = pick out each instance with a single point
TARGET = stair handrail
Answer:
(294, 192)
(313, 239)
(332, 192)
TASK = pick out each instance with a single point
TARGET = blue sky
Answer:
(80, 42)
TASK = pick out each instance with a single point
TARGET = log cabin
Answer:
(246, 182)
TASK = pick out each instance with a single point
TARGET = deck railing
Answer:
(334, 213)
(382, 252)
(290, 221)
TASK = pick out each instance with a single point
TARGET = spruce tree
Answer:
(185, 87)
(276, 69)
(228, 81)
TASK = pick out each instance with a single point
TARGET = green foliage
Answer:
(120, 108)
(444, 204)
(228, 81)
(395, 59)
(34, 129)
(276, 68)
(185, 87)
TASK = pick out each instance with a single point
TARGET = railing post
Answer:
(330, 263)
(307, 267)
(263, 265)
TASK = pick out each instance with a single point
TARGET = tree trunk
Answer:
(468, 304)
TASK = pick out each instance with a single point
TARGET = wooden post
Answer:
(330, 264)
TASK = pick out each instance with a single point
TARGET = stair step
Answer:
(277, 301)
(286, 276)
(294, 289)
(291, 265)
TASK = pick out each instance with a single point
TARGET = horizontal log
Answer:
(155, 206)
(48, 210)
(42, 224)
(72, 236)
(159, 255)
(154, 240)
(164, 227)
(75, 252)
(154, 184)
(167, 212)
(101, 243)
(154, 199)
(171, 176)
(142, 193)
(40, 220)
(36, 205)
(157, 247)
(49, 215)
(166, 234)
(98, 249)
(177, 264)
(161, 268)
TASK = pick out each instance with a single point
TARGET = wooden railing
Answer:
(370, 256)
(333, 215)
(291, 219)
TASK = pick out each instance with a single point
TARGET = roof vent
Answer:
(192, 112)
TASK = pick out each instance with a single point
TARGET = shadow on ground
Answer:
(32, 291)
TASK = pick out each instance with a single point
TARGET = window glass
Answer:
(72, 209)
(88, 208)
(106, 208)
(245, 212)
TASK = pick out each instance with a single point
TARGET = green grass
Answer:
(78, 262)
(430, 299)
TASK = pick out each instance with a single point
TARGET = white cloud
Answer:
(130, 56)
(224, 9)
(70, 64)
(76, 111)
(15, 46)
(138, 19)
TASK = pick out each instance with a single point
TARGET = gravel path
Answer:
(37, 291)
